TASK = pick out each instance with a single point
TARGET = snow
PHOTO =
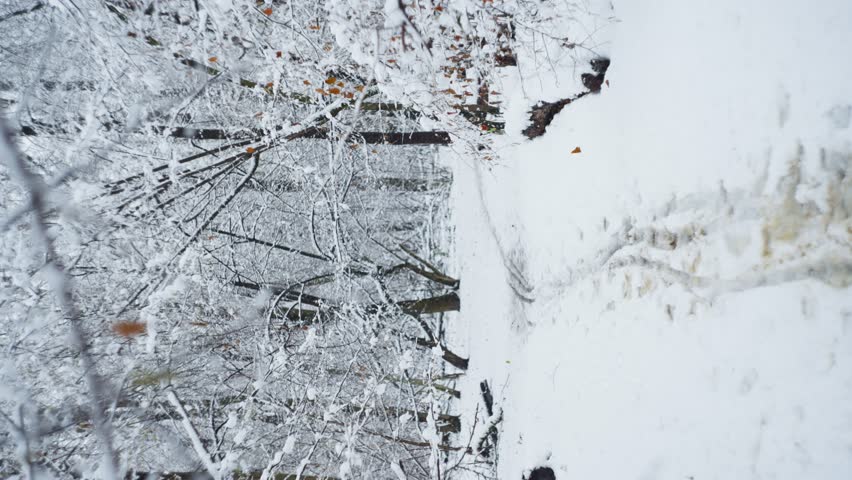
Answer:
(289, 445)
(673, 301)
(397, 470)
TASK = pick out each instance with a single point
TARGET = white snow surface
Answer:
(674, 301)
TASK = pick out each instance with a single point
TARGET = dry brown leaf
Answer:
(128, 329)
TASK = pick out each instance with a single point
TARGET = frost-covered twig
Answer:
(20, 433)
(61, 285)
(202, 453)
(490, 431)
(276, 460)
(194, 236)
(467, 450)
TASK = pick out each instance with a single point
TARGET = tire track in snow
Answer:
(515, 277)
(715, 215)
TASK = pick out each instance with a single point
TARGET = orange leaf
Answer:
(250, 150)
(213, 59)
(334, 90)
(331, 80)
(270, 85)
(278, 54)
(359, 88)
(348, 95)
(340, 84)
(306, 82)
(439, 8)
(391, 61)
(576, 150)
(314, 27)
(128, 329)
(321, 91)
(267, 12)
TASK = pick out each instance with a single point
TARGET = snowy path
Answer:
(674, 301)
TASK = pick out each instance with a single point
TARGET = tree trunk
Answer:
(254, 475)
(446, 354)
(376, 138)
(443, 303)
(393, 138)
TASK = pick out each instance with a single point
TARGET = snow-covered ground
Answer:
(674, 301)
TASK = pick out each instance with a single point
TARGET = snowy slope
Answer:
(674, 301)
